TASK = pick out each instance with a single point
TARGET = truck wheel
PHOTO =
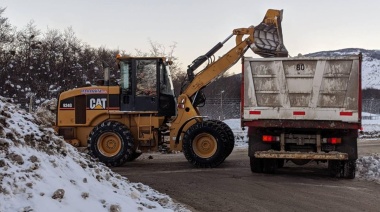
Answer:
(111, 142)
(350, 169)
(203, 145)
(230, 141)
(270, 166)
(280, 163)
(256, 164)
(335, 168)
(255, 145)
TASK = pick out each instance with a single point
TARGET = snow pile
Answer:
(241, 138)
(371, 127)
(368, 168)
(40, 172)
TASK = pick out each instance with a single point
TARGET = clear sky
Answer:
(197, 25)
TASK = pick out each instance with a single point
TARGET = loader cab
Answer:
(146, 85)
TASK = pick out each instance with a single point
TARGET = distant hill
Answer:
(370, 65)
(227, 89)
(370, 71)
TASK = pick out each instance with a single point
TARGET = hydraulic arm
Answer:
(265, 40)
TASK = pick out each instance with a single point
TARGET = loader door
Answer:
(167, 101)
(139, 85)
(146, 85)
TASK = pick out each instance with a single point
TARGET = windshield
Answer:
(146, 77)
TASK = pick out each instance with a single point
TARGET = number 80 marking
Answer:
(300, 66)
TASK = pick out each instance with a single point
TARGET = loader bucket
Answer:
(268, 40)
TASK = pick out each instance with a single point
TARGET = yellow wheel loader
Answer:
(118, 122)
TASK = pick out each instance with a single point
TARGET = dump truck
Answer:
(302, 109)
(118, 122)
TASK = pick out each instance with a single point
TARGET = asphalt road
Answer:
(233, 187)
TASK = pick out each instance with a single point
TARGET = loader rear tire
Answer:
(134, 156)
(111, 142)
(230, 141)
(204, 145)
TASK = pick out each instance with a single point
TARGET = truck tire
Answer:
(335, 168)
(280, 163)
(230, 141)
(111, 142)
(257, 165)
(270, 166)
(349, 169)
(204, 145)
(256, 144)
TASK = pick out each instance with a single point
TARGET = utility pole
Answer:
(221, 103)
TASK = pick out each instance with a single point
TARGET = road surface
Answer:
(233, 187)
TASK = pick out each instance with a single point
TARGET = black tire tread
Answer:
(255, 145)
(230, 141)
(127, 143)
(216, 131)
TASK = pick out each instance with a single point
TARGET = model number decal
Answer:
(67, 105)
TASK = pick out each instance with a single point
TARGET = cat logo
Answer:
(98, 104)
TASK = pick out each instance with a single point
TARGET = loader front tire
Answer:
(230, 141)
(111, 142)
(203, 145)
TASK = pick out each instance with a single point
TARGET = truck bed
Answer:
(302, 88)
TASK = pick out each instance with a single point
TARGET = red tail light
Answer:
(270, 138)
(255, 112)
(299, 113)
(334, 140)
(345, 113)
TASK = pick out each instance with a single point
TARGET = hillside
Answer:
(370, 65)
(370, 72)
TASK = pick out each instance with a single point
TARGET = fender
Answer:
(184, 124)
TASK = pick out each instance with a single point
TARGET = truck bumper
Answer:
(302, 155)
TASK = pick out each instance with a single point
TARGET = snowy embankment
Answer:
(40, 172)
(368, 167)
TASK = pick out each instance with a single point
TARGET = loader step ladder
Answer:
(144, 130)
